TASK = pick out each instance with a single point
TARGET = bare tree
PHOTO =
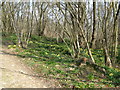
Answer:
(94, 26)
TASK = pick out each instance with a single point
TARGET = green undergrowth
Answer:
(53, 60)
(9, 39)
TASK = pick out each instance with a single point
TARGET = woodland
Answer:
(75, 43)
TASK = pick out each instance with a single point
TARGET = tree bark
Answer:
(94, 26)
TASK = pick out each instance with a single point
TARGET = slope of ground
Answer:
(52, 60)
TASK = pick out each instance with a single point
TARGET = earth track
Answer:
(15, 74)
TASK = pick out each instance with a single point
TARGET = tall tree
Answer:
(94, 26)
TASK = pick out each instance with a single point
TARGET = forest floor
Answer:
(15, 74)
(48, 64)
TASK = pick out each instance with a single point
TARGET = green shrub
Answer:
(113, 75)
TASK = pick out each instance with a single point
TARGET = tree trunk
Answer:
(94, 26)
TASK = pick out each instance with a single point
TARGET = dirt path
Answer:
(13, 73)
